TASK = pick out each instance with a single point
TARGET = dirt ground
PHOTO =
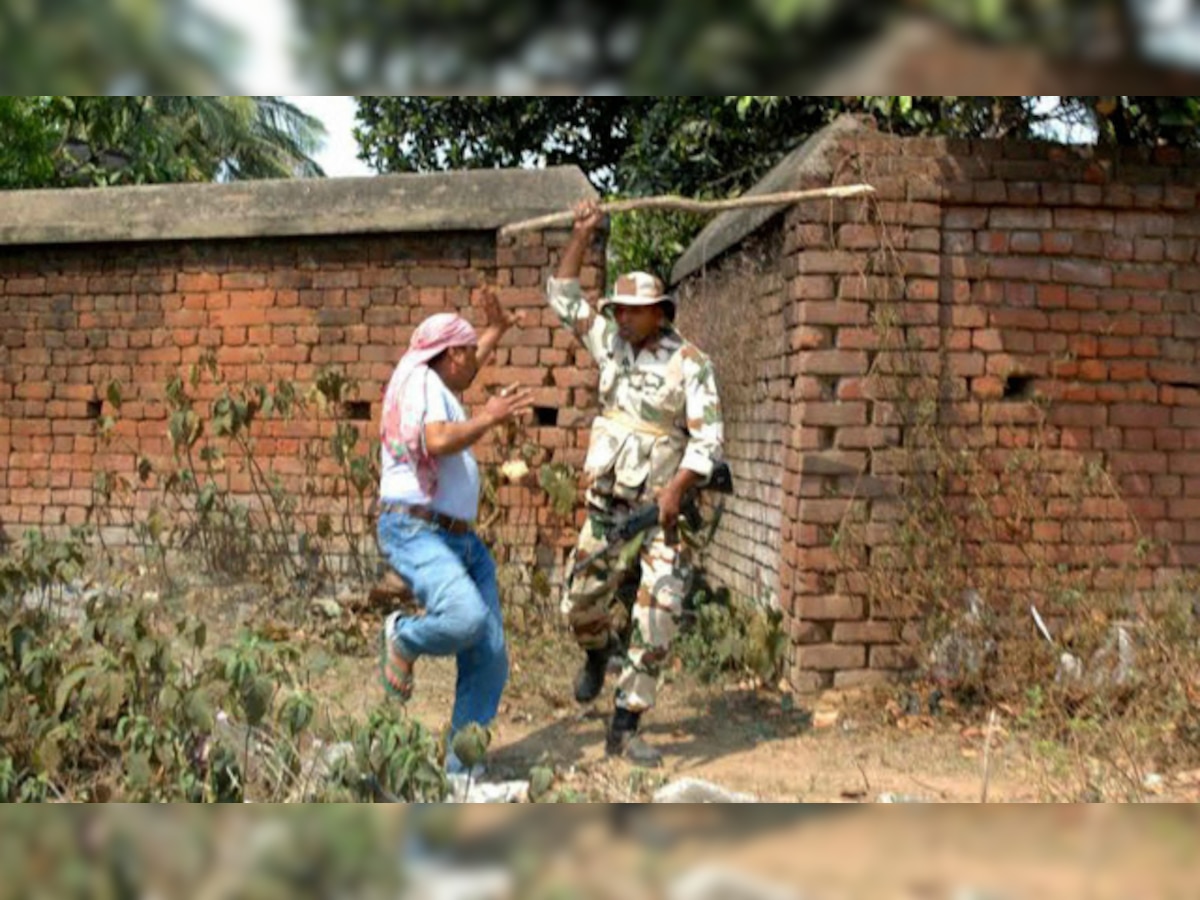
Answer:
(838, 747)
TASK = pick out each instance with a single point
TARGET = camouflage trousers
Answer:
(596, 610)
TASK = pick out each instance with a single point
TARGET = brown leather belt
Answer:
(446, 523)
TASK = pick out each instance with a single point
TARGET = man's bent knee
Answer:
(464, 613)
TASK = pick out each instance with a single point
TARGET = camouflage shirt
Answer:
(659, 406)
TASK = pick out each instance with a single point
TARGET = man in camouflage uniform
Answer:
(658, 434)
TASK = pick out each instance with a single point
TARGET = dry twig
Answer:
(987, 754)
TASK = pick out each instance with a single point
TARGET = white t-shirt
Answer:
(457, 473)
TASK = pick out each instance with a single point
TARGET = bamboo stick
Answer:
(684, 204)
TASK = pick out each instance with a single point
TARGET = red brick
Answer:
(816, 262)
(1032, 319)
(1025, 242)
(1128, 370)
(832, 362)
(805, 632)
(922, 289)
(965, 364)
(854, 236)
(199, 282)
(1075, 272)
(811, 287)
(832, 312)
(1057, 243)
(987, 193)
(1069, 415)
(988, 340)
(1020, 268)
(870, 437)
(865, 633)
(885, 656)
(829, 607)
(830, 657)
(968, 218)
(991, 241)
(987, 387)
(1084, 219)
(240, 281)
(1021, 219)
(1114, 346)
(1139, 416)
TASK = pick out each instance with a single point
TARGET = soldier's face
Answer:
(637, 324)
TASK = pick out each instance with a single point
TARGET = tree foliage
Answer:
(424, 134)
(678, 46)
(170, 46)
(58, 141)
(709, 147)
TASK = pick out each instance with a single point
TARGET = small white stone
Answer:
(695, 790)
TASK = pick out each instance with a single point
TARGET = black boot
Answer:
(623, 740)
(590, 680)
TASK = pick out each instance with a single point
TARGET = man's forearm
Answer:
(684, 480)
(571, 262)
(445, 438)
(487, 344)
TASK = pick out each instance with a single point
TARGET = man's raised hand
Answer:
(495, 315)
(510, 402)
(587, 216)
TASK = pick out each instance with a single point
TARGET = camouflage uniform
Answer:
(659, 413)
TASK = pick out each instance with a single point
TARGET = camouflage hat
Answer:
(639, 289)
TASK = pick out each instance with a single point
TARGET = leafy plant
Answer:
(727, 636)
(217, 498)
(558, 480)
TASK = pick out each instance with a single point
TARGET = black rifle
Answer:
(624, 527)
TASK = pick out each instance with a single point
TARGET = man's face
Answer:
(459, 368)
(637, 324)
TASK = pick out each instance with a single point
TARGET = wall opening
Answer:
(1018, 387)
(357, 410)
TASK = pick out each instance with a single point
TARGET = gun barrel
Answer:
(639, 520)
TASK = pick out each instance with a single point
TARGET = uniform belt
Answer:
(443, 521)
(633, 423)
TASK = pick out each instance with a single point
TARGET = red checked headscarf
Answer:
(404, 410)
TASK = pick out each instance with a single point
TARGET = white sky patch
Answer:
(1056, 128)
(267, 67)
(339, 155)
(267, 29)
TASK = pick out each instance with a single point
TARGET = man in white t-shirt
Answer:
(429, 498)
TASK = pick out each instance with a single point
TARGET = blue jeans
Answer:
(454, 578)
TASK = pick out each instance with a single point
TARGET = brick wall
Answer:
(74, 317)
(1013, 322)
(739, 315)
